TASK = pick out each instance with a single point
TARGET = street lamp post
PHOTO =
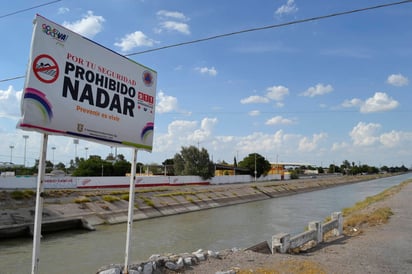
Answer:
(11, 154)
(53, 149)
(86, 148)
(25, 143)
(255, 167)
(75, 142)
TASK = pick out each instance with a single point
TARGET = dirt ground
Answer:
(386, 248)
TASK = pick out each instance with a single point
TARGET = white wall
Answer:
(15, 182)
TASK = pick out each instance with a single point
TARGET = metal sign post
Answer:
(131, 212)
(39, 207)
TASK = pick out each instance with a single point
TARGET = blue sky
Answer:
(319, 92)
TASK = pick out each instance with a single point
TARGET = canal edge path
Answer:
(385, 248)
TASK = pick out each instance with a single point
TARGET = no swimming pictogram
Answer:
(45, 68)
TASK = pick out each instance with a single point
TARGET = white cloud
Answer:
(162, 14)
(172, 21)
(396, 139)
(277, 92)
(166, 103)
(379, 102)
(10, 102)
(88, 26)
(134, 40)
(307, 145)
(180, 129)
(397, 80)
(319, 89)
(287, 8)
(63, 10)
(254, 99)
(355, 102)
(390, 139)
(260, 142)
(254, 113)
(339, 146)
(175, 26)
(205, 130)
(184, 133)
(364, 134)
(205, 70)
(279, 120)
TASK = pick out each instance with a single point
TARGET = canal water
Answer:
(215, 229)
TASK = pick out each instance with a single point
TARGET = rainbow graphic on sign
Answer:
(39, 106)
(146, 131)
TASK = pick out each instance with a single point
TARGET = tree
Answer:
(121, 168)
(168, 163)
(156, 169)
(60, 166)
(333, 168)
(192, 161)
(94, 166)
(255, 160)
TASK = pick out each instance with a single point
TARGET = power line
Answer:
(242, 31)
(27, 9)
(11, 79)
(270, 27)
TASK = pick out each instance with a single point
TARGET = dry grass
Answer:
(82, 200)
(110, 198)
(353, 224)
(360, 215)
(373, 199)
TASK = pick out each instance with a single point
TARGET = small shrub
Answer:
(125, 197)
(81, 200)
(17, 195)
(110, 198)
(118, 192)
(189, 199)
(20, 195)
(28, 193)
(147, 201)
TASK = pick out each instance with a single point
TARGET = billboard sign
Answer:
(77, 88)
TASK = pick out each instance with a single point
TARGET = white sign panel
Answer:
(77, 88)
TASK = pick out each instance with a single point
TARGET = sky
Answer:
(317, 92)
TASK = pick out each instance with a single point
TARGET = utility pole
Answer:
(53, 149)
(25, 143)
(11, 154)
(255, 167)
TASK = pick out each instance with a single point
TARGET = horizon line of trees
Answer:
(190, 161)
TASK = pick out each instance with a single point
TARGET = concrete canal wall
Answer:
(101, 206)
(68, 182)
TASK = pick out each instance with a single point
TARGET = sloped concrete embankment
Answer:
(87, 209)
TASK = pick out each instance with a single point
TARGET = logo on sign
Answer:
(45, 68)
(147, 78)
(80, 127)
(54, 33)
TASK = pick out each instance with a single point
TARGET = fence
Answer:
(283, 243)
